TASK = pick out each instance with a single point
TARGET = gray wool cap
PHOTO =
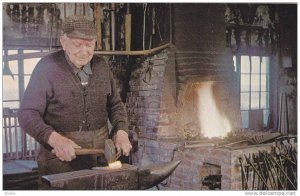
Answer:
(81, 27)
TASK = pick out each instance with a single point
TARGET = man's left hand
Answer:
(122, 142)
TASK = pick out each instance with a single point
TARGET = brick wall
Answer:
(193, 169)
(150, 101)
(199, 54)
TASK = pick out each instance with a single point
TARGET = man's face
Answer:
(80, 51)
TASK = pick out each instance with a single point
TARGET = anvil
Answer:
(128, 177)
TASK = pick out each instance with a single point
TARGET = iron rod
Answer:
(16, 137)
(284, 173)
(97, 52)
(254, 168)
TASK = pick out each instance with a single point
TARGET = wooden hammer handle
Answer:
(86, 151)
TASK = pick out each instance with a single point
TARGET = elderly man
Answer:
(68, 101)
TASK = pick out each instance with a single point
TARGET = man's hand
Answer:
(63, 147)
(122, 142)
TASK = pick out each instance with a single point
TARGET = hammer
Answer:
(109, 151)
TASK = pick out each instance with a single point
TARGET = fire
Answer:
(115, 165)
(212, 122)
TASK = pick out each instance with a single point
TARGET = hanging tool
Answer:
(113, 28)
(148, 72)
(144, 25)
(153, 27)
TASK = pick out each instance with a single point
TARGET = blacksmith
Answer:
(68, 101)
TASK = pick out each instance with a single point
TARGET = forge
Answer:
(214, 140)
(216, 152)
(208, 111)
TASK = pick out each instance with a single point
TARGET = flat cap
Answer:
(82, 27)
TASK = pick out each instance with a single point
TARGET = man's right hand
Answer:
(63, 147)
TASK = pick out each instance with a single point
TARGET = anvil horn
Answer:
(154, 174)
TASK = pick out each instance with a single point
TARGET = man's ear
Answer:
(62, 40)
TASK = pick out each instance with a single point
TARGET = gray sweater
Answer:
(55, 100)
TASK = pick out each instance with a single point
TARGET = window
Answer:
(254, 85)
(11, 82)
(16, 76)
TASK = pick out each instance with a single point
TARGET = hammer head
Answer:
(110, 152)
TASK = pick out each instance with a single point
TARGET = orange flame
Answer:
(212, 122)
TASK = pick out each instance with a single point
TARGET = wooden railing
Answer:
(16, 144)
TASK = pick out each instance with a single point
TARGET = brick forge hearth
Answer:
(202, 157)
(211, 168)
(165, 125)
(204, 166)
(165, 132)
(165, 120)
(159, 102)
(161, 110)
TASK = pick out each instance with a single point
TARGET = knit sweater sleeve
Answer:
(34, 104)
(116, 109)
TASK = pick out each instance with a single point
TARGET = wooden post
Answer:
(128, 30)
(97, 16)
(107, 31)
(113, 26)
